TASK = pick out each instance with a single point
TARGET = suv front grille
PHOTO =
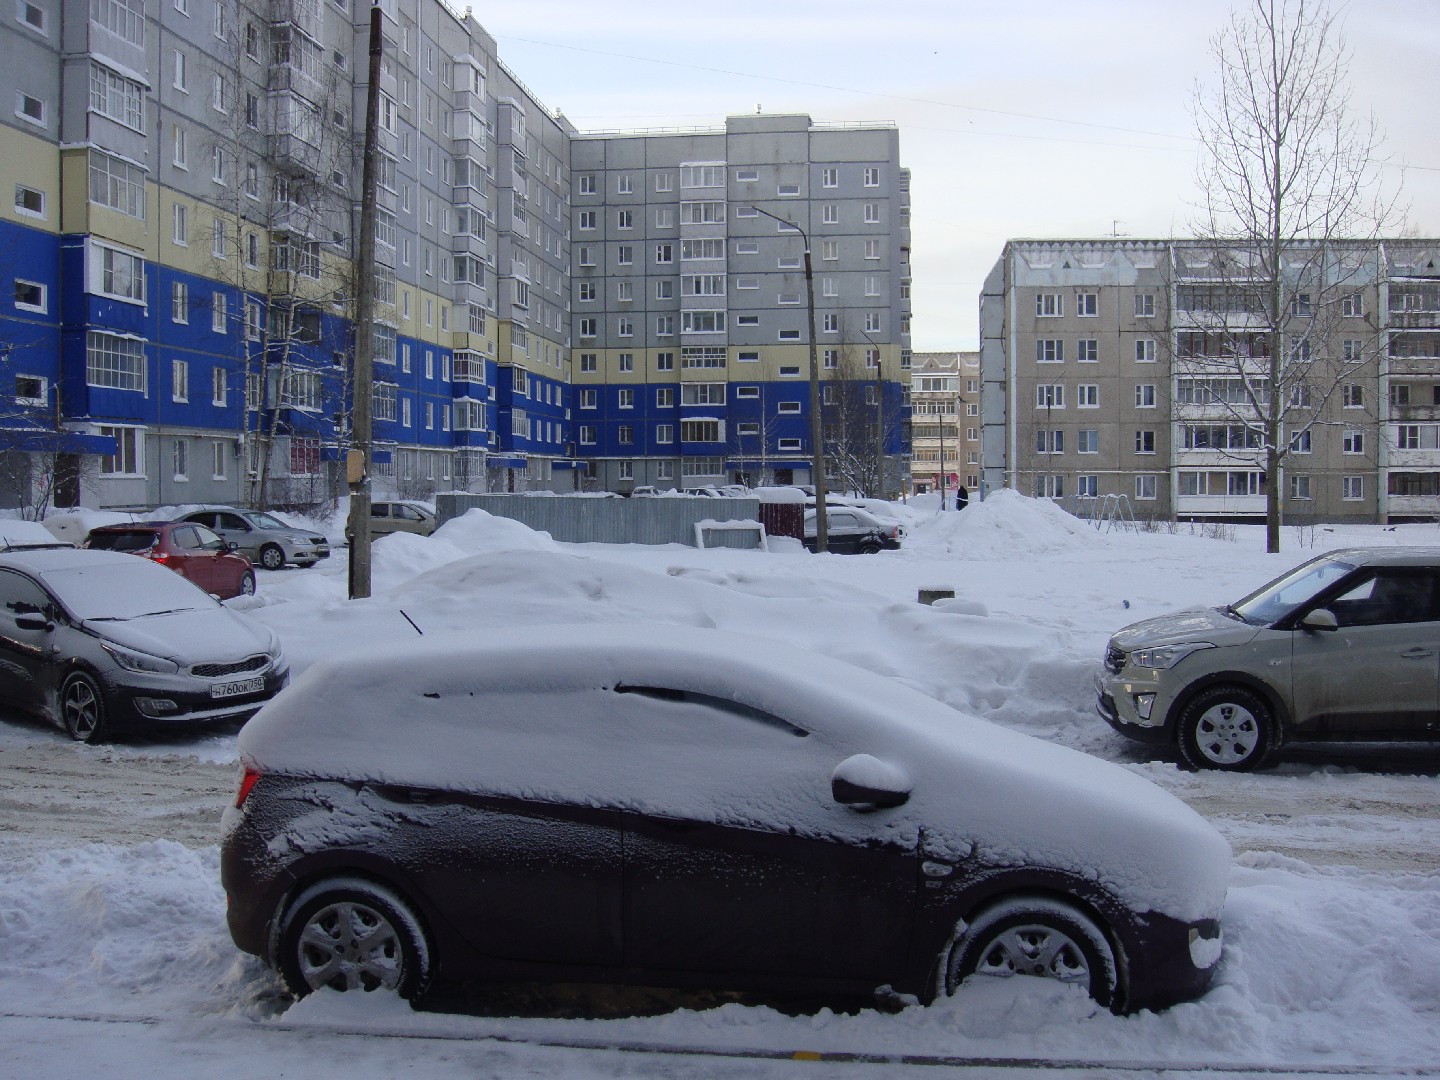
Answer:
(1114, 659)
(258, 662)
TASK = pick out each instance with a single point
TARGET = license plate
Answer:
(235, 689)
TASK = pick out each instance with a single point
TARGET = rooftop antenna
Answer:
(1115, 224)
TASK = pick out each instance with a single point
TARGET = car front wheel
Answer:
(1036, 935)
(247, 583)
(1227, 728)
(82, 708)
(271, 557)
(352, 934)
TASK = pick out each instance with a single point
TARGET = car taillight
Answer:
(156, 556)
(247, 782)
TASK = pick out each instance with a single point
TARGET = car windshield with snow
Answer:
(679, 808)
(100, 641)
(1345, 647)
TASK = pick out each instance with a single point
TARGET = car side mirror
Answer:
(34, 622)
(867, 783)
(232, 546)
(1320, 619)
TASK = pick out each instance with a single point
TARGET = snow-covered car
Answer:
(682, 807)
(100, 641)
(262, 537)
(1343, 647)
(850, 531)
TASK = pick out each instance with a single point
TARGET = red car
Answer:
(191, 550)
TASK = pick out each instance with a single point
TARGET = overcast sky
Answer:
(1017, 117)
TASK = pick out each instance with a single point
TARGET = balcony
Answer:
(293, 78)
(305, 15)
(467, 292)
(1220, 505)
(1417, 413)
(468, 244)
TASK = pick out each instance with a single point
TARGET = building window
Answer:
(116, 97)
(1145, 442)
(1353, 441)
(788, 408)
(1145, 395)
(181, 457)
(1300, 442)
(1049, 442)
(179, 302)
(32, 15)
(217, 312)
(118, 274)
(1087, 351)
(1145, 351)
(872, 213)
(1087, 396)
(180, 225)
(30, 296)
(128, 459)
(1049, 351)
(1050, 396)
(1144, 305)
(1352, 395)
(1087, 441)
(219, 389)
(1145, 486)
(1300, 305)
(1087, 305)
(872, 176)
(115, 362)
(1352, 488)
(1352, 306)
(1300, 488)
(117, 184)
(29, 202)
(1049, 305)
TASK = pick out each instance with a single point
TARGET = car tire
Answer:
(1037, 935)
(870, 547)
(247, 583)
(1227, 728)
(82, 709)
(272, 557)
(352, 934)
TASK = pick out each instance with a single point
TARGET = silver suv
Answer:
(267, 540)
(1343, 647)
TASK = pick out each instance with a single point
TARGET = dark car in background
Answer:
(99, 642)
(263, 537)
(850, 530)
(191, 550)
(678, 807)
(1345, 647)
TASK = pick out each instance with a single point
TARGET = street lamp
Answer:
(817, 447)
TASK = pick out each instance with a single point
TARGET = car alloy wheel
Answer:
(1037, 936)
(1227, 728)
(247, 583)
(352, 934)
(271, 557)
(82, 708)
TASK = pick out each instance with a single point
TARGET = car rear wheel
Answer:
(272, 557)
(352, 934)
(1228, 728)
(247, 583)
(82, 708)
(1036, 935)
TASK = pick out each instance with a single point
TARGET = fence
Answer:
(579, 519)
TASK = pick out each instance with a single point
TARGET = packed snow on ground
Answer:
(1332, 920)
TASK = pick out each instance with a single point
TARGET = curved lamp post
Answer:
(817, 444)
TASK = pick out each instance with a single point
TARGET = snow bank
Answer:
(1007, 525)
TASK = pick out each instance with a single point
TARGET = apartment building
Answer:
(182, 244)
(1139, 370)
(944, 421)
(691, 322)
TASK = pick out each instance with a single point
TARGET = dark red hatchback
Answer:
(192, 551)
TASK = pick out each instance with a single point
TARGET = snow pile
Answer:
(1006, 525)
(476, 531)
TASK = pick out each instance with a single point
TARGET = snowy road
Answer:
(114, 956)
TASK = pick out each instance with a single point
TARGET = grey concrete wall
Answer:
(587, 520)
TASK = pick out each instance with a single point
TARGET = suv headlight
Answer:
(1166, 656)
(131, 660)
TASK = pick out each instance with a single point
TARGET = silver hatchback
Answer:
(1344, 647)
(267, 540)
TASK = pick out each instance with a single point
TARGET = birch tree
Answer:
(1291, 203)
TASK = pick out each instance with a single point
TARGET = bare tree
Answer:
(850, 412)
(1290, 187)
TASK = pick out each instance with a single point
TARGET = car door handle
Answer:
(1417, 653)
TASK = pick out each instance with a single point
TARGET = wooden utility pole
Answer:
(358, 461)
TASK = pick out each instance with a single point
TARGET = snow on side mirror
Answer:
(1320, 619)
(867, 783)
